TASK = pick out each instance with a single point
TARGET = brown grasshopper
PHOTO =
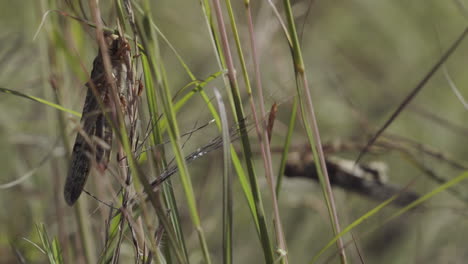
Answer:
(93, 143)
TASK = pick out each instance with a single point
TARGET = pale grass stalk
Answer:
(310, 122)
(263, 138)
(264, 237)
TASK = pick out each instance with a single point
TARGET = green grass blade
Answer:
(353, 225)
(52, 250)
(158, 73)
(310, 124)
(149, 44)
(227, 183)
(287, 144)
(430, 194)
(39, 100)
(112, 239)
(247, 148)
(403, 210)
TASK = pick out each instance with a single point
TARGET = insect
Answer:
(93, 142)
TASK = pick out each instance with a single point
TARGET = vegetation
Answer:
(210, 104)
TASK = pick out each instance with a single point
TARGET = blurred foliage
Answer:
(363, 58)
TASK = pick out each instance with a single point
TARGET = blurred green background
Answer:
(364, 53)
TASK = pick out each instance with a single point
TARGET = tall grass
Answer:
(242, 212)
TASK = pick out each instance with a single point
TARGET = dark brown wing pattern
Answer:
(89, 148)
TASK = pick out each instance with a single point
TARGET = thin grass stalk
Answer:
(147, 189)
(116, 251)
(174, 217)
(287, 144)
(154, 253)
(117, 119)
(49, 58)
(264, 139)
(160, 211)
(240, 52)
(135, 228)
(82, 220)
(415, 91)
(125, 150)
(84, 228)
(240, 118)
(127, 141)
(237, 165)
(172, 238)
(51, 250)
(60, 212)
(148, 43)
(174, 135)
(310, 124)
(201, 85)
(214, 37)
(221, 60)
(217, 46)
(167, 188)
(176, 240)
(443, 187)
(235, 158)
(227, 183)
